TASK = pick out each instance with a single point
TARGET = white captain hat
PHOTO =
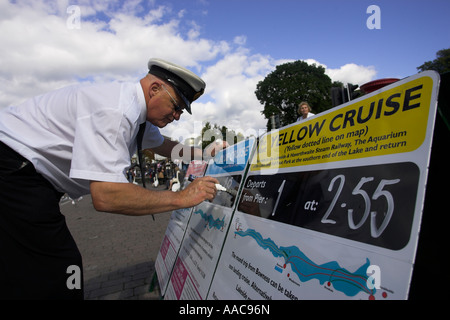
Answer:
(187, 84)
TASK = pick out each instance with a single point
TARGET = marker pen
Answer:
(219, 187)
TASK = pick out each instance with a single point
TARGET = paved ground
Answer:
(119, 252)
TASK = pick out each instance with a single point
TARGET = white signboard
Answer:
(208, 225)
(175, 231)
(331, 207)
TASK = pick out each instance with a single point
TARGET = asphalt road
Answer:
(119, 252)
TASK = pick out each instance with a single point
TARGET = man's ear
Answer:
(155, 87)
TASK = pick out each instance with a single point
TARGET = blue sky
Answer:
(232, 44)
(333, 32)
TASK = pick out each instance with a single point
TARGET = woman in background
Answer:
(304, 110)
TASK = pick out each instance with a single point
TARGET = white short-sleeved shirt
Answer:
(80, 133)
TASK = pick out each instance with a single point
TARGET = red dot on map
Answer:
(384, 294)
(288, 275)
(284, 266)
(371, 297)
(329, 283)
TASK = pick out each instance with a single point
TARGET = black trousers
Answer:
(36, 247)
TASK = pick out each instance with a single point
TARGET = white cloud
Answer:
(240, 40)
(37, 43)
(231, 84)
(350, 72)
(114, 42)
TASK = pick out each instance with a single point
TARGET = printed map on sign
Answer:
(306, 269)
(331, 206)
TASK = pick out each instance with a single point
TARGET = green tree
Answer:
(291, 83)
(209, 135)
(441, 64)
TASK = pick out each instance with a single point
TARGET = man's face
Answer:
(164, 106)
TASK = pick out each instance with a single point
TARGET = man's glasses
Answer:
(176, 107)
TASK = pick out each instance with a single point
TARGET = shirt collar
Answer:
(141, 102)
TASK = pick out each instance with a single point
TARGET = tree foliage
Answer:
(441, 64)
(291, 83)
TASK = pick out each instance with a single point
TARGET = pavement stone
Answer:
(119, 252)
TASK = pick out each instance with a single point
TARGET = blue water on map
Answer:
(210, 221)
(331, 272)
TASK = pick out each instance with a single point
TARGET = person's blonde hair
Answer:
(301, 104)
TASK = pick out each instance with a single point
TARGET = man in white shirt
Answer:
(79, 140)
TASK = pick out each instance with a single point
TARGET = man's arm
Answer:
(130, 199)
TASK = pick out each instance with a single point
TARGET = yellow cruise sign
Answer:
(392, 121)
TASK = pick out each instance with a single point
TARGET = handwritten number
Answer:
(336, 196)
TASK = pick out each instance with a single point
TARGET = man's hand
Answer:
(199, 190)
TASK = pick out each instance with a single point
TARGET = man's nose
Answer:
(176, 115)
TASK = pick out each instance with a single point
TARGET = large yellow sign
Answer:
(392, 121)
